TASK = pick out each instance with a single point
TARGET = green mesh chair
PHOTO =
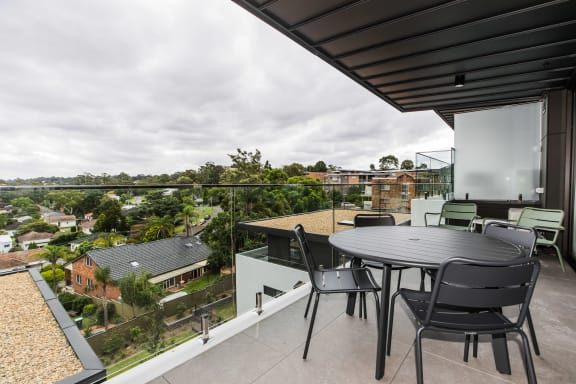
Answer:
(457, 216)
(547, 223)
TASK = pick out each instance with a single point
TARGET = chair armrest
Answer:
(426, 216)
(550, 229)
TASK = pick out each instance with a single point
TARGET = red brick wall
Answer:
(79, 267)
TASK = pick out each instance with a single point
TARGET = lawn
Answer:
(201, 283)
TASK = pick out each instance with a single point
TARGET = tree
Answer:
(210, 173)
(107, 240)
(372, 167)
(66, 201)
(422, 166)
(37, 226)
(110, 217)
(320, 166)
(217, 235)
(407, 164)
(52, 254)
(158, 228)
(188, 214)
(104, 279)
(246, 168)
(276, 176)
(388, 162)
(294, 169)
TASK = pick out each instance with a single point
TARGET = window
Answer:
(88, 260)
(404, 192)
(79, 279)
(385, 187)
(169, 283)
(89, 284)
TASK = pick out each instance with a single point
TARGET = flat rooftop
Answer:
(39, 343)
(323, 222)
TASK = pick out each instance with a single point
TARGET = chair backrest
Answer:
(372, 219)
(458, 214)
(300, 236)
(539, 217)
(523, 237)
(484, 284)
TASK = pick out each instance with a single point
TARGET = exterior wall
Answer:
(62, 221)
(79, 268)
(393, 193)
(40, 243)
(5, 243)
(559, 163)
(253, 274)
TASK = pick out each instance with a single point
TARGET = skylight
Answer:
(134, 264)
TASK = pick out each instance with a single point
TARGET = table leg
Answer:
(500, 349)
(351, 305)
(383, 324)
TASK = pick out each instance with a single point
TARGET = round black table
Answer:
(422, 247)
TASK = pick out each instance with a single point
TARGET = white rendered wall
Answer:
(497, 153)
(252, 274)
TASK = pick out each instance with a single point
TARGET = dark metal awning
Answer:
(411, 53)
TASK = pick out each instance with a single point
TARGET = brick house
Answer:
(172, 262)
(394, 192)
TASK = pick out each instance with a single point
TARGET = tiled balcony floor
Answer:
(343, 348)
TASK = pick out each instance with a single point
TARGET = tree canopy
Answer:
(388, 162)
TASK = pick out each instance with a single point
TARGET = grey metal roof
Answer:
(409, 52)
(157, 257)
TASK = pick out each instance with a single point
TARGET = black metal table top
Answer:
(418, 246)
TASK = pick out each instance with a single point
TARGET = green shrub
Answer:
(88, 309)
(67, 299)
(135, 333)
(80, 302)
(112, 344)
(180, 310)
(100, 312)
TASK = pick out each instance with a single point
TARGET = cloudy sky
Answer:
(150, 87)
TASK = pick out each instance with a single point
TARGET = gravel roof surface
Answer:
(320, 222)
(33, 348)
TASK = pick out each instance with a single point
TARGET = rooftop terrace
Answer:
(343, 347)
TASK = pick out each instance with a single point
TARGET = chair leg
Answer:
(399, 278)
(422, 277)
(360, 305)
(311, 326)
(528, 363)
(309, 300)
(532, 333)
(475, 347)
(559, 254)
(377, 301)
(418, 352)
(466, 347)
(391, 322)
(364, 304)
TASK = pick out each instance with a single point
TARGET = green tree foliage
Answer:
(294, 169)
(26, 206)
(52, 253)
(107, 240)
(65, 201)
(210, 173)
(138, 291)
(189, 215)
(217, 235)
(158, 228)
(104, 279)
(49, 277)
(388, 162)
(275, 176)
(320, 166)
(158, 204)
(64, 238)
(407, 164)
(37, 226)
(246, 168)
(110, 218)
(84, 247)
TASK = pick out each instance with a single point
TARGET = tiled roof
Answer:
(157, 257)
(31, 236)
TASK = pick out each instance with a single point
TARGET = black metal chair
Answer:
(328, 281)
(467, 298)
(373, 220)
(525, 239)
